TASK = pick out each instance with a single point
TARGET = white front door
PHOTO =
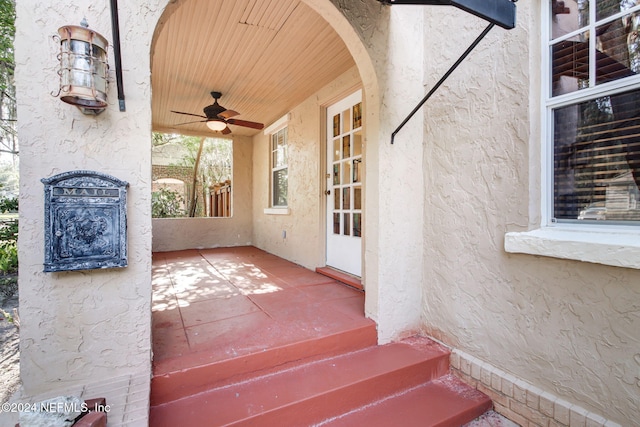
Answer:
(344, 184)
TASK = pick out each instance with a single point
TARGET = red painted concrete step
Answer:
(199, 374)
(443, 402)
(323, 391)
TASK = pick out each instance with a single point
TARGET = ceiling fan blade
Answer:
(226, 131)
(227, 114)
(189, 114)
(188, 123)
(245, 123)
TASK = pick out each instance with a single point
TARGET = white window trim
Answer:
(273, 128)
(614, 245)
(276, 211)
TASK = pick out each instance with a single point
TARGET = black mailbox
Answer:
(85, 221)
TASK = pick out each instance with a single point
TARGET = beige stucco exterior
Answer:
(83, 326)
(438, 202)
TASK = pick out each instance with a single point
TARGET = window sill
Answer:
(619, 248)
(276, 211)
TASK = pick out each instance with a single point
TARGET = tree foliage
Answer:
(8, 140)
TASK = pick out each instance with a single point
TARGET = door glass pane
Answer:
(357, 198)
(346, 119)
(346, 172)
(357, 163)
(357, 115)
(346, 198)
(346, 146)
(336, 149)
(336, 125)
(336, 223)
(347, 226)
(357, 225)
(357, 144)
(336, 198)
(336, 174)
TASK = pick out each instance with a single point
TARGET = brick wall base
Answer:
(520, 401)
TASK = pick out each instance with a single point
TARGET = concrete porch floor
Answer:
(219, 314)
(213, 305)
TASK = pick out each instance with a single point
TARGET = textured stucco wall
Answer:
(90, 325)
(304, 225)
(171, 234)
(568, 328)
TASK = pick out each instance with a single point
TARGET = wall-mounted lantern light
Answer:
(83, 68)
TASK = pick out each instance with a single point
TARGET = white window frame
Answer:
(608, 244)
(270, 131)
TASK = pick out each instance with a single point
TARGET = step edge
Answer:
(331, 350)
(441, 361)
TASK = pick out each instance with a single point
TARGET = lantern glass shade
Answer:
(216, 124)
(83, 67)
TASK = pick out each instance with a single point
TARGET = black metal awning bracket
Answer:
(497, 12)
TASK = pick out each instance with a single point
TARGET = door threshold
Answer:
(341, 276)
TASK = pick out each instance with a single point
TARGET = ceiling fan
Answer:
(217, 117)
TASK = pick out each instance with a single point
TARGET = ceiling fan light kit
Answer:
(217, 117)
(216, 125)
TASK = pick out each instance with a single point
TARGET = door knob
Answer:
(328, 192)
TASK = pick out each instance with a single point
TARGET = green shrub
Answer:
(8, 248)
(166, 203)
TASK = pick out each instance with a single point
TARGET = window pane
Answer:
(570, 65)
(597, 159)
(568, 16)
(280, 178)
(336, 223)
(606, 8)
(616, 48)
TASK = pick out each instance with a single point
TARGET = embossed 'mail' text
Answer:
(85, 192)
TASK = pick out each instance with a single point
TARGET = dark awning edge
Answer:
(499, 12)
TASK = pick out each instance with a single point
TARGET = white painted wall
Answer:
(91, 325)
(171, 234)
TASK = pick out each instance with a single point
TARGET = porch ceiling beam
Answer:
(499, 12)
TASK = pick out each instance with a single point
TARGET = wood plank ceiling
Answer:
(265, 56)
